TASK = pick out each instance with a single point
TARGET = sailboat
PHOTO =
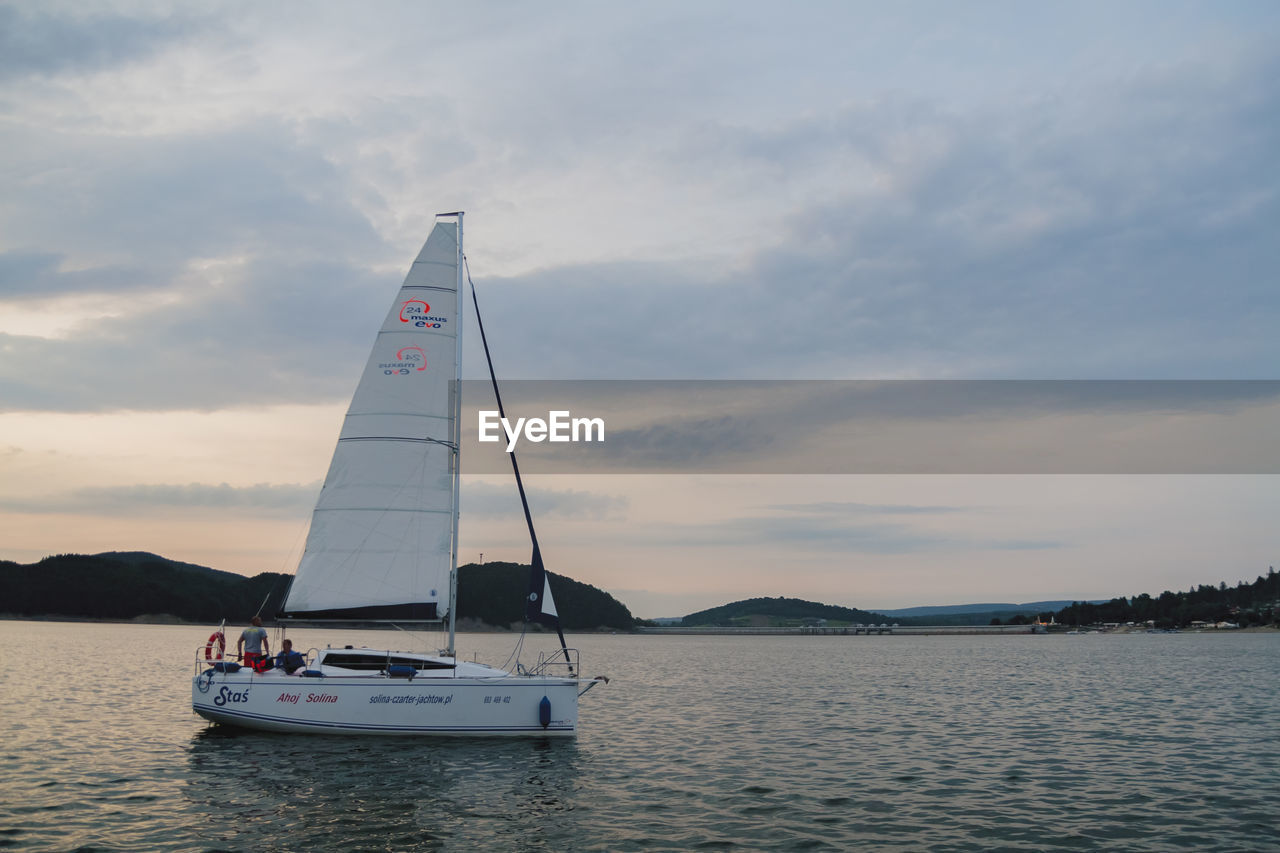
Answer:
(383, 548)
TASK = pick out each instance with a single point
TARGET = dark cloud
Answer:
(687, 442)
(38, 275)
(1105, 231)
(162, 201)
(1118, 233)
(252, 256)
(35, 42)
(302, 336)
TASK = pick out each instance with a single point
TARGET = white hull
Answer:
(388, 706)
(470, 700)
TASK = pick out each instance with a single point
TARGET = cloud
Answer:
(302, 342)
(686, 442)
(45, 43)
(212, 271)
(1108, 226)
(826, 532)
(277, 500)
(157, 201)
(210, 211)
(29, 275)
(488, 500)
(850, 508)
(1115, 232)
(897, 426)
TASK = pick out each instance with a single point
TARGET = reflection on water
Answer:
(764, 743)
(391, 793)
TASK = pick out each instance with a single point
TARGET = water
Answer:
(1133, 742)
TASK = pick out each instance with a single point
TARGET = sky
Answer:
(205, 210)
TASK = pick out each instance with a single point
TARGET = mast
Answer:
(457, 448)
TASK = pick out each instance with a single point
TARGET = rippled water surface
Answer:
(1133, 742)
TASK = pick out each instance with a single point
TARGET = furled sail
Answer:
(540, 605)
(382, 532)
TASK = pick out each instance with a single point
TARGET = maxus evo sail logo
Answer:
(408, 360)
(418, 314)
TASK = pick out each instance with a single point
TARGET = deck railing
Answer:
(563, 662)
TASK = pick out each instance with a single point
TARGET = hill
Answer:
(1255, 603)
(779, 612)
(975, 614)
(127, 585)
(494, 594)
(1029, 608)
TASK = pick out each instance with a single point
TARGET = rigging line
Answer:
(515, 467)
(266, 597)
(417, 638)
(515, 653)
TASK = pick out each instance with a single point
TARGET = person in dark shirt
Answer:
(289, 660)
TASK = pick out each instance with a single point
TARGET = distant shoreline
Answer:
(671, 630)
(933, 631)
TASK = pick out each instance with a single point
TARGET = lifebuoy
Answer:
(215, 639)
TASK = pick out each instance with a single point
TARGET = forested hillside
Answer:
(128, 585)
(1245, 604)
(119, 585)
(494, 593)
(1256, 603)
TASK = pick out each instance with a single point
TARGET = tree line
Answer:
(1245, 604)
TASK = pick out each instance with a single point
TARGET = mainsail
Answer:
(381, 539)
